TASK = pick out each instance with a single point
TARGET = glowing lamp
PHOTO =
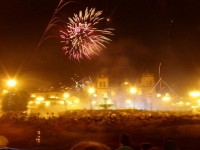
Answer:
(11, 83)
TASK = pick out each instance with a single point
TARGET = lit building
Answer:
(116, 96)
(110, 93)
(120, 95)
(106, 93)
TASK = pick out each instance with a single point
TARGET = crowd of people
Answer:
(125, 144)
(115, 117)
(104, 121)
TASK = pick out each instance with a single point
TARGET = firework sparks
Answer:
(82, 39)
(53, 22)
(81, 84)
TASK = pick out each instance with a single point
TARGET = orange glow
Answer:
(11, 83)
(62, 102)
(91, 90)
(66, 95)
(195, 94)
(47, 103)
(133, 90)
(40, 98)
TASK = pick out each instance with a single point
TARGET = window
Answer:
(100, 84)
(104, 84)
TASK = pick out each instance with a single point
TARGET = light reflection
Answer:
(93, 102)
(187, 103)
(128, 101)
(62, 102)
(47, 103)
(38, 102)
(52, 96)
(33, 95)
(40, 98)
(76, 101)
(30, 102)
(38, 137)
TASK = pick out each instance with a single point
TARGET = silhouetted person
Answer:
(90, 146)
(124, 142)
(170, 144)
(145, 146)
(3, 142)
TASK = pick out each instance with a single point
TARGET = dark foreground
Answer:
(63, 131)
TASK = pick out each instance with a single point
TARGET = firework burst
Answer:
(81, 84)
(82, 39)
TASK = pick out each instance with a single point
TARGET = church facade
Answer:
(121, 95)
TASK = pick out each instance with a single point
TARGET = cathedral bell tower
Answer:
(102, 81)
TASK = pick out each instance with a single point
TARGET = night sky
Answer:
(147, 33)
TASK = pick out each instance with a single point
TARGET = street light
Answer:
(133, 90)
(76, 101)
(91, 91)
(66, 95)
(47, 103)
(195, 94)
(11, 83)
(166, 98)
(40, 98)
(128, 102)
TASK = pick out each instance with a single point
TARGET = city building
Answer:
(104, 93)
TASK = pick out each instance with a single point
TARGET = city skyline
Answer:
(147, 34)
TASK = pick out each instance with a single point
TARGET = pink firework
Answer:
(81, 38)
